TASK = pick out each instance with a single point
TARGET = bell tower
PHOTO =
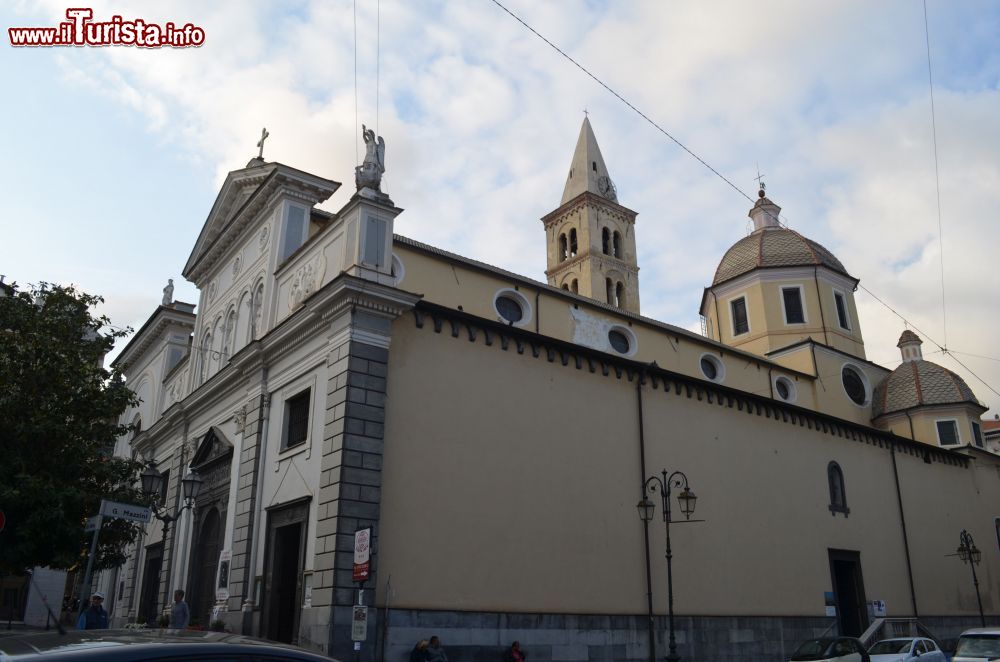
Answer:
(590, 236)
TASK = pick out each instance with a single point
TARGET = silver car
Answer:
(977, 645)
(905, 649)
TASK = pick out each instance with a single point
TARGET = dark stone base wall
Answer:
(477, 636)
(484, 636)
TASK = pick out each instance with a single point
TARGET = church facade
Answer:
(495, 433)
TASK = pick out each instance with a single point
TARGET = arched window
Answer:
(572, 243)
(563, 250)
(620, 295)
(617, 248)
(610, 289)
(838, 495)
(565, 287)
(575, 287)
(606, 241)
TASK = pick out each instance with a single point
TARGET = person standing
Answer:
(419, 652)
(179, 614)
(94, 617)
(514, 653)
(435, 652)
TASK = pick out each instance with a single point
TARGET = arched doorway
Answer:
(209, 544)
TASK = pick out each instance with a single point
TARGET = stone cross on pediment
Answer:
(263, 136)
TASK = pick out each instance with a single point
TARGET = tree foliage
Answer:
(60, 416)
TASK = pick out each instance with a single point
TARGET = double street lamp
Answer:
(686, 499)
(969, 553)
(152, 483)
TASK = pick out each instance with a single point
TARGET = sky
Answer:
(113, 156)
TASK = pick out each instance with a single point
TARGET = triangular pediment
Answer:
(244, 196)
(213, 447)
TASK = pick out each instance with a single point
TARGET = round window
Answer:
(619, 341)
(784, 388)
(708, 368)
(509, 308)
(854, 384)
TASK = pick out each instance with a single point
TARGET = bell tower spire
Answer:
(590, 236)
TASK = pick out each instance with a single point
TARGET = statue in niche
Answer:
(168, 292)
(369, 173)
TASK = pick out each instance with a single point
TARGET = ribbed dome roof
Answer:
(774, 247)
(916, 383)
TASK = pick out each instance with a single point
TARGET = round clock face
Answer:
(607, 188)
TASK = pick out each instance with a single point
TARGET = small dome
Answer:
(919, 383)
(772, 247)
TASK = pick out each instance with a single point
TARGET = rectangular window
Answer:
(947, 433)
(842, 311)
(977, 434)
(739, 309)
(296, 426)
(792, 298)
(163, 487)
(295, 231)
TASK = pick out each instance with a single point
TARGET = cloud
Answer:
(481, 117)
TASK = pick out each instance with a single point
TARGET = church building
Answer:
(495, 434)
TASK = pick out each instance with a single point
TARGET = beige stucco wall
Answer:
(510, 484)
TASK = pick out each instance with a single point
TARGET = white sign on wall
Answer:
(359, 623)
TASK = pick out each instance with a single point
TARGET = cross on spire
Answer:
(263, 136)
(585, 113)
(760, 183)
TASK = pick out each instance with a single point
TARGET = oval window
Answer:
(708, 368)
(784, 388)
(619, 341)
(509, 309)
(854, 385)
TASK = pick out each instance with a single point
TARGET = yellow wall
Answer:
(532, 471)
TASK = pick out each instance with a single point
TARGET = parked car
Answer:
(831, 649)
(977, 645)
(905, 649)
(153, 644)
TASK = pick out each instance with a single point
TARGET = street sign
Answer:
(125, 511)
(362, 554)
(359, 623)
(93, 523)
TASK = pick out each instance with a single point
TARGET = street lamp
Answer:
(969, 553)
(686, 500)
(152, 483)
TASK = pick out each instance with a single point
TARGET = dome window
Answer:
(712, 367)
(842, 318)
(855, 384)
(948, 432)
(785, 389)
(791, 302)
(622, 340)
(511, 307)
(741, 324)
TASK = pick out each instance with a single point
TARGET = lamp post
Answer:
(969, 553)
(152, 482)
(686, 499)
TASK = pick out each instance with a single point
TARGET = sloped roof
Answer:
(920, 383)
(773, 247)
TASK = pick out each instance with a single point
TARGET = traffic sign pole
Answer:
(90, 562)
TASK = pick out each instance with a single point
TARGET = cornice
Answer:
(149, 333)
(588, 199)
(460, 324)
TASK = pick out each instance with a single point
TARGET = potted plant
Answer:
(163, 621)
(218, 625)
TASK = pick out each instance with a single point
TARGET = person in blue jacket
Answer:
(94, 617)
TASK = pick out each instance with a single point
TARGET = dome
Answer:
(919, 383)
(774, 247)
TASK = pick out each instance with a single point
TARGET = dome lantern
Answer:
(909, 346)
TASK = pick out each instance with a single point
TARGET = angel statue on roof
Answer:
(369, 173)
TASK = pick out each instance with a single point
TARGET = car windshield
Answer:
(813, 649)
(890, 646)
(971, 645)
